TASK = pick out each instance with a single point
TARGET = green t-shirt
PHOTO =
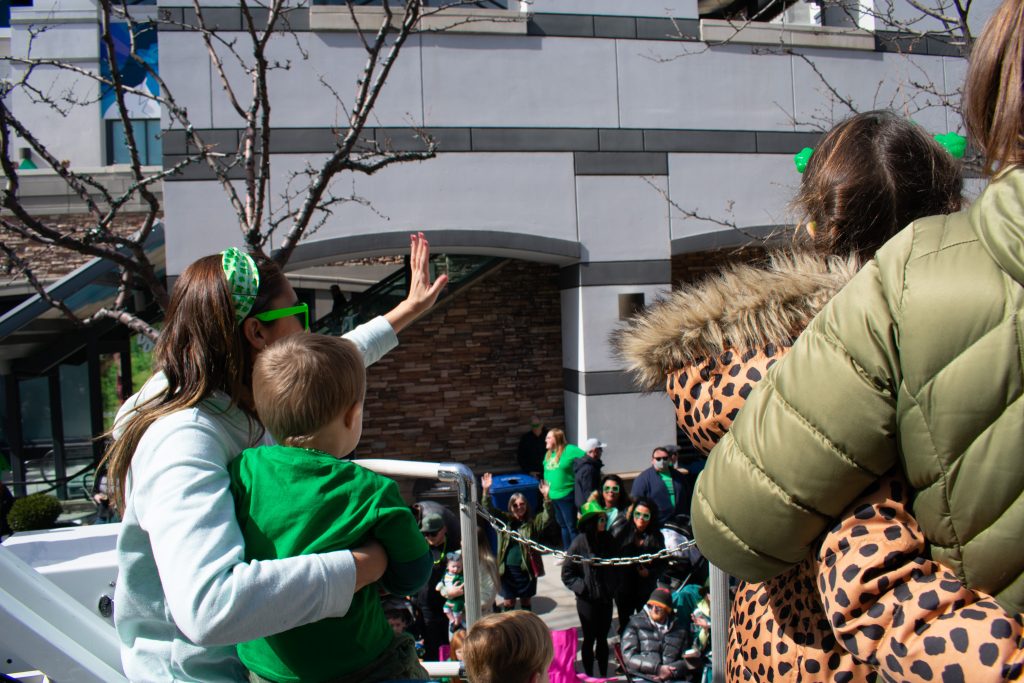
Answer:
(667, 478)
(559, 475)
(294, 501)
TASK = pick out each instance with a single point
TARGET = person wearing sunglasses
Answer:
(593, 585)
(518, 566)
(613, 497)
(655, 641)
(185, 593)
(664, 485)
(640, 535)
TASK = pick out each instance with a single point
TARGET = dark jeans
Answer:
(565, 515)
(595, 620)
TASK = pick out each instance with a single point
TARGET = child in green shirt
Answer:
(301, 497)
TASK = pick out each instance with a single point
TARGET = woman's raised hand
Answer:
(544, 488)
(485, 482)
(422, 293)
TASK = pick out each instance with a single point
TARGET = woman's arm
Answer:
(422, 293)
(573, 576)
(181, 499)
(380, 335)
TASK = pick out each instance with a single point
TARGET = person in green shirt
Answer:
(558, 473)
(300, 496)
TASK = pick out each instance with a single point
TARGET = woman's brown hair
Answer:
(201, 350)
(871, 176)
(994, 91)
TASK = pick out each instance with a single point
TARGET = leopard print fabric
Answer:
(869, 606)
(709, 394)
(906, 616)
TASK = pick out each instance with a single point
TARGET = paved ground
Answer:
(556, 605)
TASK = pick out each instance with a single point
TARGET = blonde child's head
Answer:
(308, 390)
(511, 647)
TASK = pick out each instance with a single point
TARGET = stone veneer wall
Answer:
(687, 268)
(464, 381)
(52, 263)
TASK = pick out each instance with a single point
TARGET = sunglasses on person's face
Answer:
(662, 458)
(611, 489)
(431, 534)
(642, 515)
(300, 311)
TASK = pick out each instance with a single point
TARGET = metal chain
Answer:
(501, 526)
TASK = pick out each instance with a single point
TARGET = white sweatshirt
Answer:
(185, 595)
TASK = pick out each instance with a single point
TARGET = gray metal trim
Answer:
(486, 242)
(602, 273)
(758, 235)
(534, 139)
(648, 28)
(621, 163)
(612, 142)
(770, 142)
(615, 27)
(606, 383)
(719, 141)
(563, 25)
(935, 46)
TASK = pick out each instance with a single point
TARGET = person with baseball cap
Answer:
(655, 640)
(587, 471)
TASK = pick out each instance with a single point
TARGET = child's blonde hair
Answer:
(302, 382)
(560, 443)
(507, 648)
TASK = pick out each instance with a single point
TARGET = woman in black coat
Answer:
(594, 586)
(638, 536)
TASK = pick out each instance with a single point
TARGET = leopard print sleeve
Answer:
(906, 616)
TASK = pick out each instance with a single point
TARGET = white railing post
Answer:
(721, 602)
(466, 485)
(466, 482)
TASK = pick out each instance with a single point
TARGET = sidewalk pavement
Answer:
(556, 605)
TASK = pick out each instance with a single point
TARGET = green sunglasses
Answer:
(300, 311)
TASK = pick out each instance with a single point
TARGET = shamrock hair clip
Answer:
(955, 144)
(801, 158)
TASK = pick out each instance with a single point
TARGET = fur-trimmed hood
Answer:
(742, 307)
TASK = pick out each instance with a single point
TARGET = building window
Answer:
(147, 139)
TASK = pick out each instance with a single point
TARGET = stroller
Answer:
(686, 566)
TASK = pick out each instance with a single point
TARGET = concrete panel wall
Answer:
(532, 194)
(589, 314)
(875, 80)
(650, 422)
(691, 85)
(519, 81)
(746, 189)
(74, 134)
(622, 218)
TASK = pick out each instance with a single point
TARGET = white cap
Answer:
(591, 444)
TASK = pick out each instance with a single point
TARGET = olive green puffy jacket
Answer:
(917, 363)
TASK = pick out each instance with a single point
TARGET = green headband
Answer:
(243, 280)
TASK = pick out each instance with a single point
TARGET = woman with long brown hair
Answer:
(185, 594)
(558, 473)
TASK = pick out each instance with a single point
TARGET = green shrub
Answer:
(38, 511)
